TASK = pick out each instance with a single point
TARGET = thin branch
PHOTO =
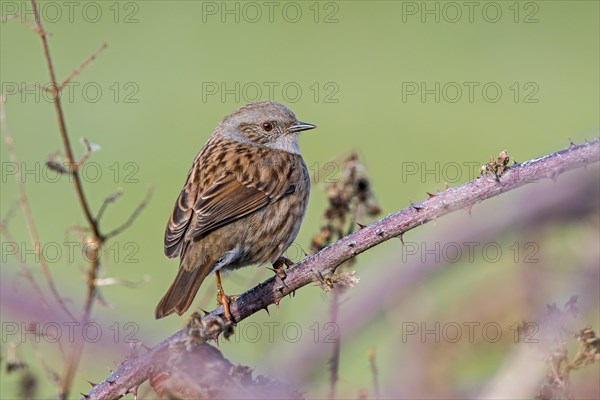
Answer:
(25, 270)
(24, 202)
(112, 198)
(22, 18)
(11, 211)
(75, 354)
(374, 372)
(134, 371)
(133, 215)
(77, 348)
(84, 64)
(334, 361)
(62, 124)
(95, 239)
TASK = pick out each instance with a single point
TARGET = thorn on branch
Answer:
(416, 206)
(133, 390)
(401, 237)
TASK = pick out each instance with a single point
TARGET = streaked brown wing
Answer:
(224, 202)
(250, 181)
(246, 188)
(181, 217)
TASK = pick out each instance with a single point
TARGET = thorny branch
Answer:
(132, 372)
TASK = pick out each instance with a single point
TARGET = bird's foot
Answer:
(224, 300)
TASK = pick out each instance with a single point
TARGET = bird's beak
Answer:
(299, 126)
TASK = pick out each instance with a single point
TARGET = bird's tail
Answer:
(180, 295)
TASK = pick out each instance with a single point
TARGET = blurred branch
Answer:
(374, 372)
(96, 239)
(25, 270)
(62, 126)
(350, 199)
(75, 352)
(134, 371)
(24, 202)
(334, 361)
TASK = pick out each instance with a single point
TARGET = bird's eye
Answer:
(267, 126)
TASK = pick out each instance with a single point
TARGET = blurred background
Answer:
(424, 92)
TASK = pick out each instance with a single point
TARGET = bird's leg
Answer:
(278, 266)
(222, 298)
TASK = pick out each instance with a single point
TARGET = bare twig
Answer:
(334, 361)
(24, 202)
(25, 270)
(108, 200)
(62, 124)
(133, 215)
(84, 64)
(374, 372)
(75, 353)
(135, 371)
(95, 240)
(350, 198)
(21, 17)
(10, 213)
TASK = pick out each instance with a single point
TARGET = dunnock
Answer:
(242, 203)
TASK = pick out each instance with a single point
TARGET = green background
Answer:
(353, 61)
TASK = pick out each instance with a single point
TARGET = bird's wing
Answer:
(181, 215)
(247, 187)
(249, 181)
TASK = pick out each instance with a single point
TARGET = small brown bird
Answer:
(242, 203)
